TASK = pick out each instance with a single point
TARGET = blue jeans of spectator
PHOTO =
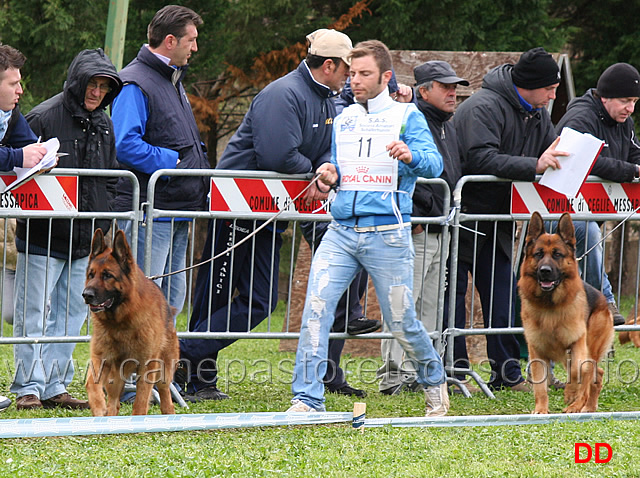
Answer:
(342, 253)
(591, 265)
(251, 270)
(168, 253)
(46, 369)
(498, 310)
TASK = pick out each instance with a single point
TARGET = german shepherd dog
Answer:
(565, 319)
(133, 330)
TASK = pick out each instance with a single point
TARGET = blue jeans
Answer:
(388, 258)
(45, 370)
(235, 293)
(591, 265)
(168, 253)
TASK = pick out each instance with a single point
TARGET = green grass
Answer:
(251, 375)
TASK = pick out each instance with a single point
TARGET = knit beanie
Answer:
(535, 69)
(619, 81)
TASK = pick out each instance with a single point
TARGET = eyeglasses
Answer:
(104, 87)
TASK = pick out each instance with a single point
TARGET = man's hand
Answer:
(400, 151)
(329, 177)
(32, 154)
(549, 158)
(404, 94)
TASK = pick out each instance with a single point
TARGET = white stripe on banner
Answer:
(55, 193)
(231, 194)
(277, 189)
(531, 198)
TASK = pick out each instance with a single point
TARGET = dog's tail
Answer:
(627, 336)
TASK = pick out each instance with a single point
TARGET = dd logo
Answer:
(598, 447)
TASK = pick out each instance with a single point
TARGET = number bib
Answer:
(361, 148)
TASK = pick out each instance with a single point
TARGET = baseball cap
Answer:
(330, 44)
(437, 70)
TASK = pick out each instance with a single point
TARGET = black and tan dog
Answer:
(564, 319)
(133, 330)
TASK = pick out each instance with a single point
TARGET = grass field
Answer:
(256, 375)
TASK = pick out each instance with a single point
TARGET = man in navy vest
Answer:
(155, 129)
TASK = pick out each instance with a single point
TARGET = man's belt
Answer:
(381, 228)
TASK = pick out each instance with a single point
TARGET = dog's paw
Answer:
(540, 411)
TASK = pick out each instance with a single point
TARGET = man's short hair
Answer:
(171, 20)
(377, 50)
(10, 58)
(427, 85)
(316, 61)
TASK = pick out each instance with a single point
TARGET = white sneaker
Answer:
(4, 402)
(437, 400)
(300, 406)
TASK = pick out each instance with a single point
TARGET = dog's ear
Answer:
(566, 230)
(535, 230)
(122, 252)
(97, 244)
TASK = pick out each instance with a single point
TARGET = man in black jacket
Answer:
(504, 129)
(53, 257)
(436, 84)
(605, 112)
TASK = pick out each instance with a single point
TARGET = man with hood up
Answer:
(52, 258)
(504, 129)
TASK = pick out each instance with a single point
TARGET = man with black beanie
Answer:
(504, 129)
(605, 112)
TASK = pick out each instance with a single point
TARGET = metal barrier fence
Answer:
(599, 201)
(56, 193)
(251, 198)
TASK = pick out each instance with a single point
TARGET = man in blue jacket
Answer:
(288, 130)
(436, 84)
(18, 144)
(379, 148)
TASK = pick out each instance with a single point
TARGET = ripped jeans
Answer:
(388, 258)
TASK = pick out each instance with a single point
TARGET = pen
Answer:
(39, 139)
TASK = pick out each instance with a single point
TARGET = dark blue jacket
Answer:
(428, 199)
(170, 124)
(287, 128)
(17, 136)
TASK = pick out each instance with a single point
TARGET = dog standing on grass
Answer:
(565, 319)
(133, 330)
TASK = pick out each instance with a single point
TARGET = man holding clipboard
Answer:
(605, 112)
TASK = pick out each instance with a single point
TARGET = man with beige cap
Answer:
(287, 130)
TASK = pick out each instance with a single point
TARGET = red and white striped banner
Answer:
(261, 195)
(42, 193)
(592, 198)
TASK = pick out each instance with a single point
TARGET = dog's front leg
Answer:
(581, 372)
(539, 375)
(93, 385)
(114, 387)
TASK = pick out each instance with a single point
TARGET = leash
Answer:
(229, 249)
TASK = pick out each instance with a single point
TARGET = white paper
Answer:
(583, 149)
(48, 161)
